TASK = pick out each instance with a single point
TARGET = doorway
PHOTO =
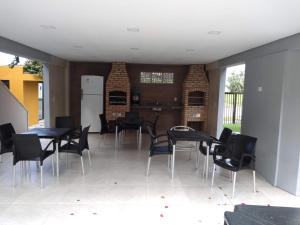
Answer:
(233, 97)
(23, 78)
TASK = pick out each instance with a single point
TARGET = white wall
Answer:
(273, 114)
(262, 110)
(289, 155)
(11, 110)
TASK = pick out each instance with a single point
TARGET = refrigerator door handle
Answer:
(81, 93)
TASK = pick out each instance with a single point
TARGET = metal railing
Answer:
(233, 108)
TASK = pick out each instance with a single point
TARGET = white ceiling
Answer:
(170, 31)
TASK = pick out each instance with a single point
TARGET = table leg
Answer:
(140, 137)
(173, 159)
(197, 154)
(57, 159)
(207, 158)
(116, 137)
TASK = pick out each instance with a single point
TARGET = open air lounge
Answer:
(153, 112)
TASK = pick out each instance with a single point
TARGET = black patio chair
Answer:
(238, 154)
(104, 124)
(222, 140)
(27, 147)
(67, 122)
(151, 124)
(158, 147)
(74, 147)
(131, 121)
(6, 133)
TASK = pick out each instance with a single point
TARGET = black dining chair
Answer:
(6, 133)
(238, 154)
(27, 147)
(67, 122)
(74, 147)
(131, 121)
(159, 145)
(152, 124)
(104, 127)
(104, 124)
(222, 140)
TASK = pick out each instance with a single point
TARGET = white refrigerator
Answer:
(91, 101)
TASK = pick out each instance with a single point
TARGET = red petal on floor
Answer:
(166, 207)
(161, 215)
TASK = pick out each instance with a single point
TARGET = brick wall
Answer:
(117, 80)
(195, 80)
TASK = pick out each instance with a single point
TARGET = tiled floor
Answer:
(115, 190)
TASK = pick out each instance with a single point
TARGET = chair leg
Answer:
(52, 161)
(206, 171)
(25, 169)
(148, 166)
(66, 154)
(14, 176)
(141, 137)
(41, 168)
(254, 183)
(29, 170)
(213, 176)
(190, 155)
(82, 166)
(89, 157)
(204, 166)
(173, 161)
(233, 184)
(197, 159)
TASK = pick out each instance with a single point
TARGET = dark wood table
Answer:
(55, 134)
(191, 135)
(262, 215)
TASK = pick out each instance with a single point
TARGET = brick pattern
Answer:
(195, 80)
(117, 80)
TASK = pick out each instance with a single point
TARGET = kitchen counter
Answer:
(158, 107)
(169, 115)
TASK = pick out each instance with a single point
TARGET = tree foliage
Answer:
(236, 82)
(33, 67)
(14, 62)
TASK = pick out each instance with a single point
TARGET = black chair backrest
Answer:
(150, 132)
(225, 135)
(6, 131)
(83, 139)
(104, 125)
(155, 123)
(26, 147)
(132, 116)
(241, 144)
(64, 122)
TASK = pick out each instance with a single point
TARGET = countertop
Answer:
(157, 107)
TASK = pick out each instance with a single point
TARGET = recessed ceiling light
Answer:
(134, 49)
(214, 32)
(48, 27)
(190, 50)
(77, 46)
(133, 29)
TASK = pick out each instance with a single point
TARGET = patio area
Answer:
(115, 190)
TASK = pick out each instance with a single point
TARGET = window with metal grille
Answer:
(156, 78)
